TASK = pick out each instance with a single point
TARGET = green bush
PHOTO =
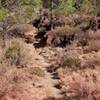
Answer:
(65, 7)
(71, 62)
(13, 53)
(2, 13)
(31, 8)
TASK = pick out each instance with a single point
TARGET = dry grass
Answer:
(66, 30)
(94, 45)
(68, 59)
(18, 81)
(93, 34)
(92, 62)
(37, 71)
(89, 38)
(18, 84)
(17, 52)
(85, 87)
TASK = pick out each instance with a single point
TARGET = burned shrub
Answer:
(59, 37)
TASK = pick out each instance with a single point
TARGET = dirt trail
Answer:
(51, 80)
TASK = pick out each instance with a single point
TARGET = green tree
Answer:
(66, 6)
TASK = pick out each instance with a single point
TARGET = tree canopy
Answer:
(31, 7)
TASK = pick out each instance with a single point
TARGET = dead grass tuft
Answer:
(84, 88)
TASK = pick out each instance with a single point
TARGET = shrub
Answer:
(2, 13)
(82, 42)
(71, 62)
(87, 7)
(92, 63)
(82, 88)
(13, 53)
(18, 52)
(14, 84)
(93, 46)
(66, 7)
(37, 71)
(92, 35)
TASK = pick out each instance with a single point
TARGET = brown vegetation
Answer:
(26, 31)
(83, 88)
